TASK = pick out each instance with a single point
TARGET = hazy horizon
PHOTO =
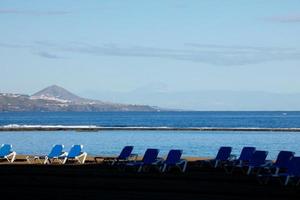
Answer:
(194, 55)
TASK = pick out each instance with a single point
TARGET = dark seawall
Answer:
(96, 128)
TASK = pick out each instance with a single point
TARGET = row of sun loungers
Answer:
(76, 154)
(57, 153)
(286, 165)
(250, 160)
(150, 158)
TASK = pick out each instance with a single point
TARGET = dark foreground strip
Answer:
(103, 182)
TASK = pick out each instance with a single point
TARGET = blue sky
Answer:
(120, 50)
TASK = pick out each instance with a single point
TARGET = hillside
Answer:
(55, 98)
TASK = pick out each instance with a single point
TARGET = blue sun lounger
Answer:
(246, 155)
(149, 159)
(257, 161)
(292, 173)
(6, 153)
(223, 156)
(244, 158)
(174, 160)
(76, 154)
(282, 162)
(56, 153)
(124, 156)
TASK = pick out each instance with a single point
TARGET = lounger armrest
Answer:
(134, 163)
(159, 160)
(11, 153)
(232, 157)
(82, 154)
(133, 156)
(64, 154)
(182, 161)
(268, 163)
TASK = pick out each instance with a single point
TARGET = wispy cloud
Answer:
(222, 55)
(8, 45)
(48, 55)
(210, 54)
(295, 18)
(237, 47)
(32, 12)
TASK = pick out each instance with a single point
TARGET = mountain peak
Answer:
(57, 93)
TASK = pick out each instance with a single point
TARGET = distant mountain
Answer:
(56, 93)
(56, 98)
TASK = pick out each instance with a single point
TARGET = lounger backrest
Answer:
(224, 153)
(75, 151)
(56, 151)
(283, 159)
(126, 152)
(150, 156)
(294, 167)
(247, 153)
(258, 158)
(5, 150)
(173, 157)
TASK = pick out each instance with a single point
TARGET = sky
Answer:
(169, 53)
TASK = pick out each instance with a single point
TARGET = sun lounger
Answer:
(223, 156)
(76, 154)
(283, 160)
(124, 156)
(246, 155)
(56, 153)
(257, 161)
(174, 160)
(6, 153)
(244, 158)
(292, 173)
(150, 158)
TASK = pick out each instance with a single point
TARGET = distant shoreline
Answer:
(99, 128)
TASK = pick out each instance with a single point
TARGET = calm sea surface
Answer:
(204, 143)
(154, 119)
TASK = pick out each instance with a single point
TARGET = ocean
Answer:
(193, 143)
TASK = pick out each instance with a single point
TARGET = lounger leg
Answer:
(81, 158)
(140, 168)
(84, 158)
(11, 157)
(249, 170)
(184, 166)
(113, 162)
(277, 170)
(164, 168)
(216, 164)
(46, 160)
(287, 180)
(65, 160)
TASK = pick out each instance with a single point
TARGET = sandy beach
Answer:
(101, 181)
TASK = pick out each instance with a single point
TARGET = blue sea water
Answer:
(193, 143)
(155, 119)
